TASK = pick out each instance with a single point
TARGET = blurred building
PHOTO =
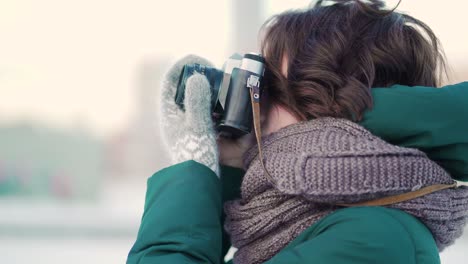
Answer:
(458, 74)
(248, 17)
(39, 161)
(138, 151)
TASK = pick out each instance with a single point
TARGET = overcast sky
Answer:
(63, 61)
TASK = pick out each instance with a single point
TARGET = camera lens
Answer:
(255, 56)
(237, 120)
(253, 62)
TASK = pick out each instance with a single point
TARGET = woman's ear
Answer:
(284, 66)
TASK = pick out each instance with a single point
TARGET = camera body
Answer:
(230, 91)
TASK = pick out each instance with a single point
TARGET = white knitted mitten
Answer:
(189, 134)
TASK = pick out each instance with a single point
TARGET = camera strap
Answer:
(255, 99)
(404, 196)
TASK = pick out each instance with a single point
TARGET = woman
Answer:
(327, 145)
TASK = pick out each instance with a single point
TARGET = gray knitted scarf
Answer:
(318, 163)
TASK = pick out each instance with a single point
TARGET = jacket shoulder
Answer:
(363, 235)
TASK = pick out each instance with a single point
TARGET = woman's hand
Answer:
(189, 134)
(231, 151)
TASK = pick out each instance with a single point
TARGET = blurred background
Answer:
(78, 124)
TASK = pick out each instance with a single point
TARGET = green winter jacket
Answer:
(183, 217)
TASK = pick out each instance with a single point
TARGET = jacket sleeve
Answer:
(231, 179)
(181, 222)
(434, 120)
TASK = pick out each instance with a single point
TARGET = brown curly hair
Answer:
(337, 50)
